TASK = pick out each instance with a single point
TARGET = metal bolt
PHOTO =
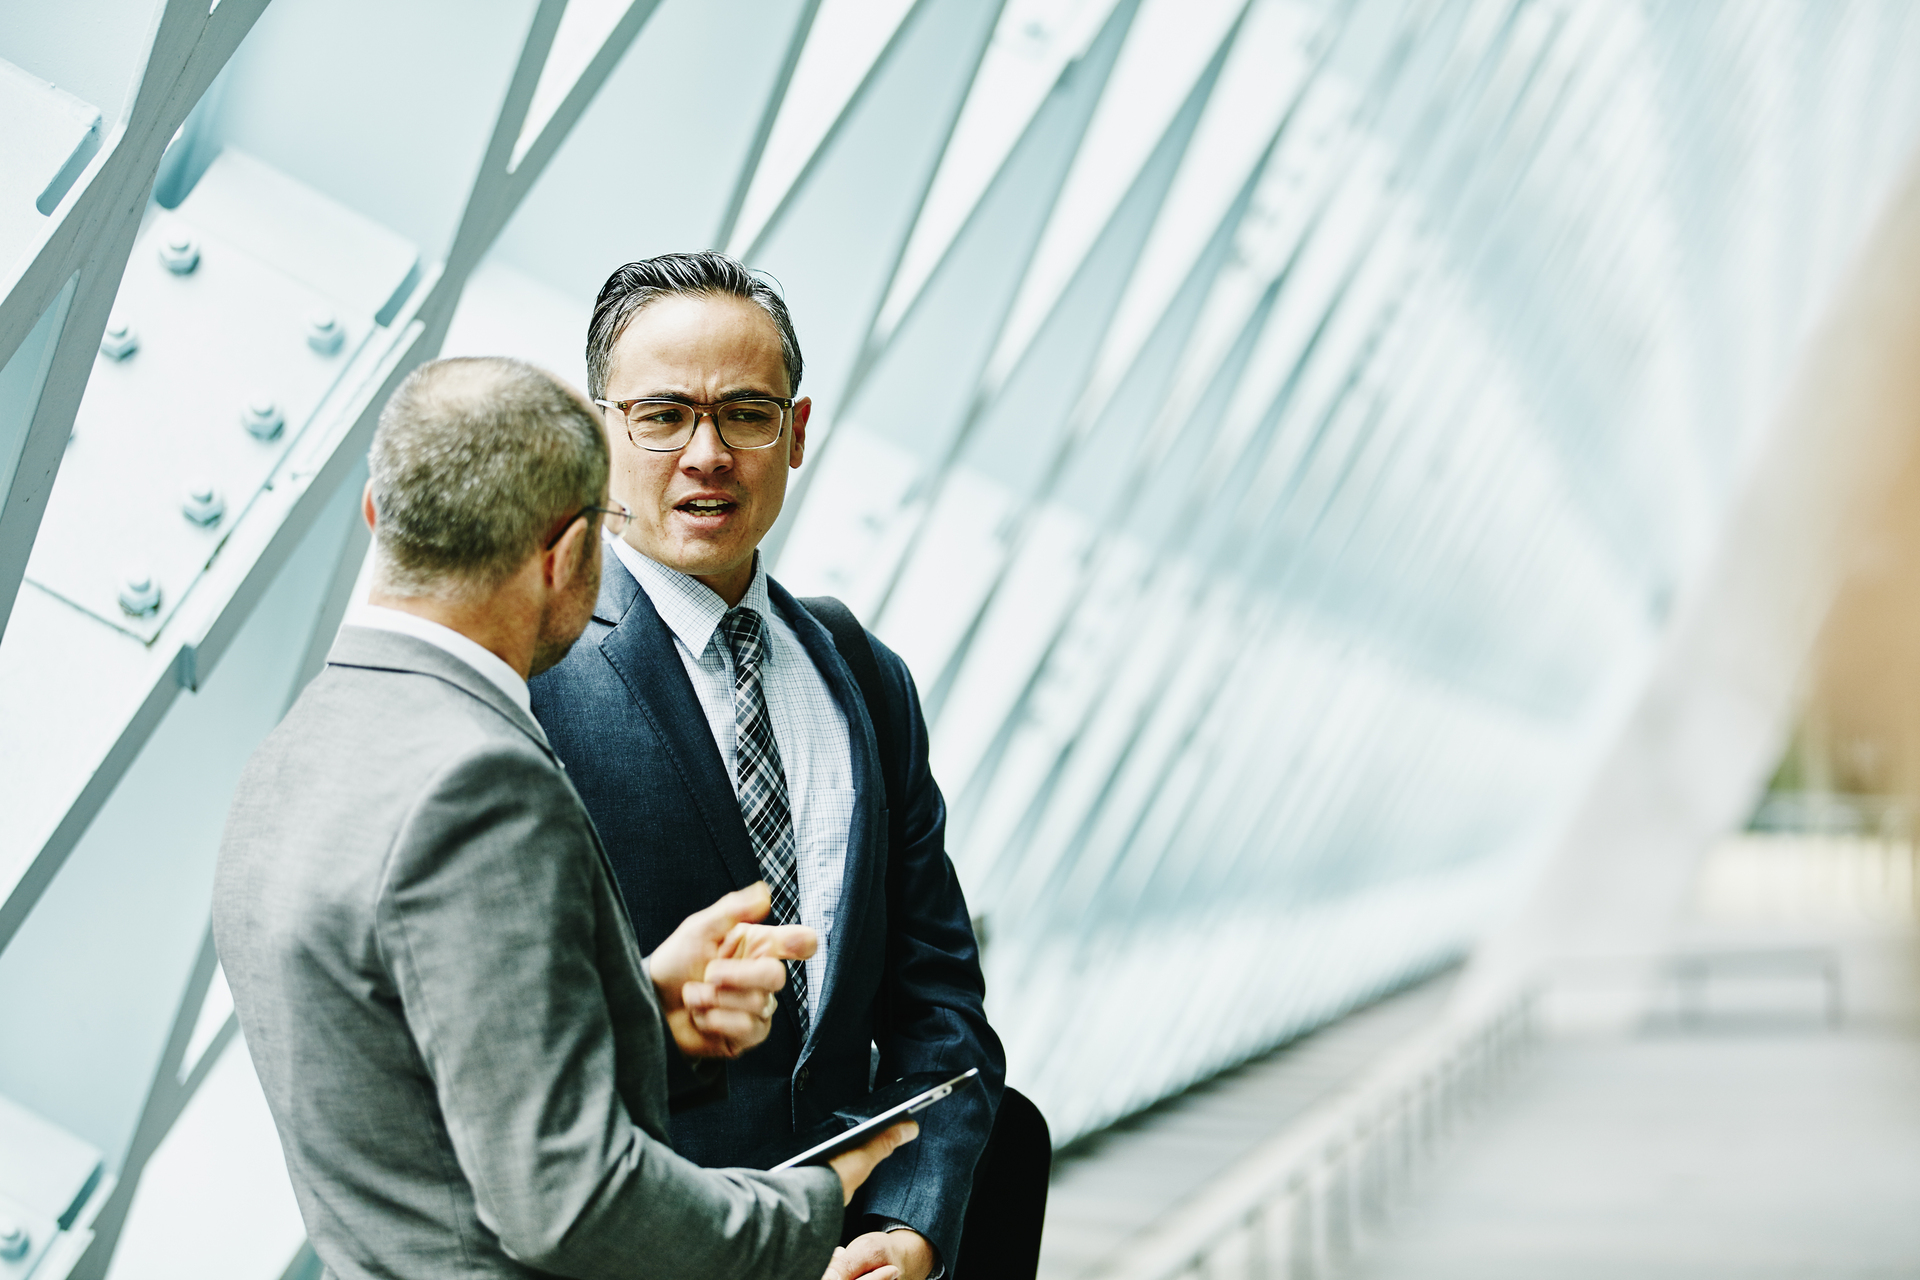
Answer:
(179, 253)
(262, 418)
(203, 504)
(14, 1240)
(139, 593)
(120, 340)
(324, 333)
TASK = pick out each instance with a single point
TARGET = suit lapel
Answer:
(867, 836)
(641, 651)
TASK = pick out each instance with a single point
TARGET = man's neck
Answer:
(730, 586)
(494, 628)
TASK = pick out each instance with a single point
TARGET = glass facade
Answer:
(1277, 434)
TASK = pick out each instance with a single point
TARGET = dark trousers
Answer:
(1000, 1239)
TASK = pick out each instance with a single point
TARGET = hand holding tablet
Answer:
(856, 1165)
(897, 1116)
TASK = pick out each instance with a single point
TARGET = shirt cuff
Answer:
(882, 1223)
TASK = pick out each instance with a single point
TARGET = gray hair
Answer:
(705, 274)
(474, 462)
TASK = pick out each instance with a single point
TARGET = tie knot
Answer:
(747, 637)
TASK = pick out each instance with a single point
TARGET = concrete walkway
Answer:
(1753, 1148)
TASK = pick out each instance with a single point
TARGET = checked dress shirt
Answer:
(808, 728)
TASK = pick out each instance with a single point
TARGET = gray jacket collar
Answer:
(390, 651)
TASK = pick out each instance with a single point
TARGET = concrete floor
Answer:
(1754, 1148)
(1760, 1156)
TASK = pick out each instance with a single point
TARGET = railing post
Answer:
(1339, 1242)
(1306, 1229)
(1337, 1182)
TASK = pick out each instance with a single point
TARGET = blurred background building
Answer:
(1364, 486)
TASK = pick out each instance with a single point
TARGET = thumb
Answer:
(904, 1132)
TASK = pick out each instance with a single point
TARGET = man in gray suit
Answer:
(462, 1048)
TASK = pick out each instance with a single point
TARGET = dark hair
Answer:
(472, 463)
(706, 274)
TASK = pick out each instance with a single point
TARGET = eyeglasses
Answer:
(613, 519)
(660, 425)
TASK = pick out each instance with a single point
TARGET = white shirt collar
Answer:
(690, 608)
(482, 660)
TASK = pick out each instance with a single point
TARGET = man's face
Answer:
(703, 509)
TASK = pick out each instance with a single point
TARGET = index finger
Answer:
(773, 941)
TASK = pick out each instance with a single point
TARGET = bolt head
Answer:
(179, 253)
(262, 418)
(14, 1240)
(324, 333)
(203, 504)
(139, 593)
(119, 341)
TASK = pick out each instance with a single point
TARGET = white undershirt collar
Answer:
(481, 659)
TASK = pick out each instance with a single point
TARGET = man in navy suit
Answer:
(718, 738)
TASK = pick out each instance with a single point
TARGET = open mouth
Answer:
(705, 506)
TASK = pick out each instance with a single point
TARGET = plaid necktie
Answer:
(763, 785)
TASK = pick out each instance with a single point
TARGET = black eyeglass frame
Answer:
(702, 409)
(617, 509)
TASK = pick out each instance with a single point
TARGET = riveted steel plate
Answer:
(169, 419)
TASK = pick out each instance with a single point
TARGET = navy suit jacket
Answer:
(626, 723)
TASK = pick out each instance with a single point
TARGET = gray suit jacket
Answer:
(446, 1007)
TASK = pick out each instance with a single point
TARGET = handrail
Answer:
(1294, 1206)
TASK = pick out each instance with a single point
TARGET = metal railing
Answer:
(1297, 1206)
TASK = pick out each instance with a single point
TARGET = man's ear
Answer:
(568, 557)
(366, 504)
(802, 410)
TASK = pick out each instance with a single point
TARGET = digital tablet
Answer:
(848, 1139)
